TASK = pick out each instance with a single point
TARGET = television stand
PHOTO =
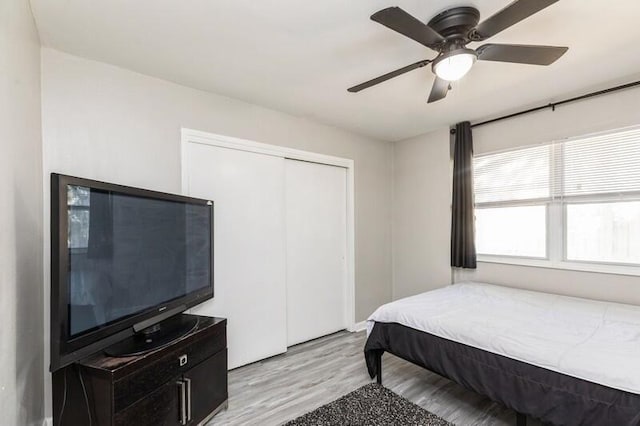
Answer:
(154, 337)
(181, 383)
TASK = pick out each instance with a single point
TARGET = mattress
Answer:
(590, 340)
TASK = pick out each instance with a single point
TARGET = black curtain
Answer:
(463, 245)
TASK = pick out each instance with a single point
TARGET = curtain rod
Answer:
(553, 105)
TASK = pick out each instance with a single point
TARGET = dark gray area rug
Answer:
(370, 405)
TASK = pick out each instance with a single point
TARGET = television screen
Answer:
(122, 258)
(128, 254)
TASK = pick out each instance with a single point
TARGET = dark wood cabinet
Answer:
(183, 383)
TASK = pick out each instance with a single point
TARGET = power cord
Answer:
(86, 397)
(64, 397)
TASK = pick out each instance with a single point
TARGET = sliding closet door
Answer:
(248, 194)
(316, 224)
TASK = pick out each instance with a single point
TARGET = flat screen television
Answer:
(123, 260)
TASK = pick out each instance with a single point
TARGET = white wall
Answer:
(21, 321)
(421, 214)
(418, 241)
(104, 122)
(606, 112)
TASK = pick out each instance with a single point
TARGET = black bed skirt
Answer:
(534, 391)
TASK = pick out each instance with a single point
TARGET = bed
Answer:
(563, 360)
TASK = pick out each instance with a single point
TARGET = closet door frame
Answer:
(190, 136)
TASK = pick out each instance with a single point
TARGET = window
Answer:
(565, 203)
(512, 231)
(512, 193)
(604, 232)
(78, 207)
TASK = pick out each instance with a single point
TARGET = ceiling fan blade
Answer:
(520, 53)
(388, 76)
(439, 90)
(400, 21)
(510, 15)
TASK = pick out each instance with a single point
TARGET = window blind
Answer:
(605, 164)
(522, 174)
(599, 165)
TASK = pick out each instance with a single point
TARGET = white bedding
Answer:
(594, 341)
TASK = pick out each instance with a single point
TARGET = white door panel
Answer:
(316, 227)
(249, 252)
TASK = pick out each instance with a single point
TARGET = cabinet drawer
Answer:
(131, 388)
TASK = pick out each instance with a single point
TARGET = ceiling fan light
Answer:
(454, 65)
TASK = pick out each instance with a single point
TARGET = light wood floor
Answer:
(311, 374)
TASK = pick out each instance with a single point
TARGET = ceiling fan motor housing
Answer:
(456, 23)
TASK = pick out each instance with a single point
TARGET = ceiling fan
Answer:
(449, 32)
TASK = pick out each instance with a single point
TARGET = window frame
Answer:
(556, 222)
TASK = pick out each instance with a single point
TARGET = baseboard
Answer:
(47, 421)
(357, 327)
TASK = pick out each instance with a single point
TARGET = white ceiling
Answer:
(300, 56)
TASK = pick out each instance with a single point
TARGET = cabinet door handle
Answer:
(188, 382)
(183, 402)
